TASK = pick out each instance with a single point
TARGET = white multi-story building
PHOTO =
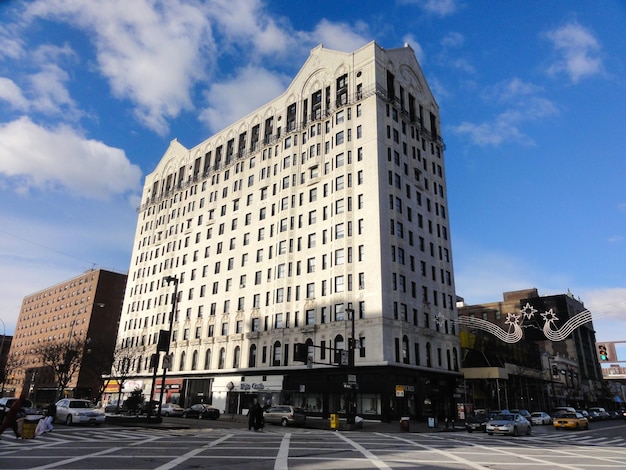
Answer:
(329, 199)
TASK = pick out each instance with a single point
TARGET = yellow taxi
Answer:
(568, 420)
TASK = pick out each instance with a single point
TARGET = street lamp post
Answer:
(168, 279)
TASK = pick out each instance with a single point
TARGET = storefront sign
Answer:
(253, 386)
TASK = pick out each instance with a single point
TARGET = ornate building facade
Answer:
(320, 219)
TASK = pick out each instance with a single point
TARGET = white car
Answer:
(171, 409)
(73, 411)
(540, 417)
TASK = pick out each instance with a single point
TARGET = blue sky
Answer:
(532, 97)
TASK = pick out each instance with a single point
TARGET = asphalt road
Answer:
(194, 444)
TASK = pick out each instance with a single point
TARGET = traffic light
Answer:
(603, 353)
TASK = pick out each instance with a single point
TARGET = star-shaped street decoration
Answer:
(512, 319)
(528, 311)
(440, 319)
(549, 316)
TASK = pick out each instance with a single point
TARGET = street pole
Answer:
(168, 279)
(3, 363)
(351, 412)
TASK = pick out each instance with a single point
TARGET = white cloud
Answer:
(37, 157)
(511, 90)
(12, 94)
(608, 310)
(579, 49)
(453, 39)
(435, 7)
(251, 88)
(417, 48)
(246, 22)
(49, 86)
(339, 36)
(524, 107)
(149, 55)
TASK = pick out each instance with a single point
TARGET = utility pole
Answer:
(351, 405)
(168, 279)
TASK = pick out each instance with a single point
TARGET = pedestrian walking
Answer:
(13, 415)
(255, 416)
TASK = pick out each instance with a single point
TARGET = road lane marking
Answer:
(192, 453)
(77, 459)
(369, 455)
(282, 459)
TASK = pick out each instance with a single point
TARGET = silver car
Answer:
(285, 415)
(513, 424)
(540, 417)
(73, 410)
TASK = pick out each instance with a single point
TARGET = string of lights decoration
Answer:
(525, 319)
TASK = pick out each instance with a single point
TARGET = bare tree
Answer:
(12, 367)
(121, 368)
(98, 358)
(64, 360)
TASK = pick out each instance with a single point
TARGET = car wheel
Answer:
(529, 430)
(184, 415)
(490, 433)
(470, 430)
(577, 427)
(284, 422)
(199, 415)
(515, 431)
(167, 414)
(68, 420)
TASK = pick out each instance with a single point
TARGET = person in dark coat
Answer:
(255, 416)
(11, 416)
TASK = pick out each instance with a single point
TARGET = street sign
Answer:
(167, 362)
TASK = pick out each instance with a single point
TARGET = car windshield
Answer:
(568, 415)
(504, 417)
(80, 404)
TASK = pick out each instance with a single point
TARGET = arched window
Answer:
(182, 361)
(339, 343)
(236, 357)
(277, 354)
(405, 350)
(222, 359)
(207, 359)
(429, 362)
(194, 360)
(252, 356)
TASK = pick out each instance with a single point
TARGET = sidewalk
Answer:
(227, 420)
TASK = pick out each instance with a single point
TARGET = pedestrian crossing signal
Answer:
(603, 353)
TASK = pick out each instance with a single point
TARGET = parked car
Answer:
(285, 415)
(73, 410)
(540, 417)
(171, 409)
(571, 421)
(566, 409)
(27, 407)
(513, 424)
(477, 422)
(201, 411)
(524, 413)
(112, 407)
(599, 413)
